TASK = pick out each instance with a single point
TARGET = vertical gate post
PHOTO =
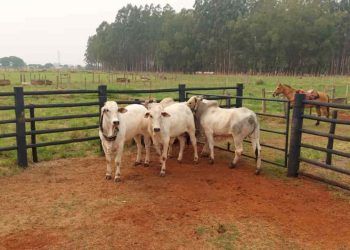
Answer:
(20, 128)
(182, 92)
(331, 139)
(295, 136)
(33, 136)
(102, 98)
(228, 101)
(239, 92)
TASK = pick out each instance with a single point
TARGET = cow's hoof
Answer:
(179, 161)
(195, 162)
(257, 172)
(232, 165)
(146, 164)
(108, 177)
(317, 123)
(211, 161)
(162, 174)
(117, 179)
(137, 163)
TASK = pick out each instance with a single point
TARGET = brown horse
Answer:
(289, 93)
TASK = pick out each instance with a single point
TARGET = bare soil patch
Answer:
(68, 204)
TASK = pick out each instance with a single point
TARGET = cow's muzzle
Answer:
(156, 129)
(115, 123)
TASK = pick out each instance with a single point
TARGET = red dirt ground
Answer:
(68, 204)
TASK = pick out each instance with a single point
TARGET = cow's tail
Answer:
(255, 139)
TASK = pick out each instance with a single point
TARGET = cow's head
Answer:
(109, 120)
(193, 102)
(155, 115)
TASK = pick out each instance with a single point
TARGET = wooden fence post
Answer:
(263, 104)
(239, 92)
(182, 92)
(20, 128)
(33, 136)
(295, 136)
(331, 139)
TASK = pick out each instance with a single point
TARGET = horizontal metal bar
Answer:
(210, 88)
(318, 133)
(141, 91)
(327, 104)
(273, 131)
(7, 107)
(129, 102)
(52, 118)
(268, 146)
(7, 121)
(327, 181)
(261, 99)
(61, 92)
(8, 148)
(9, 135)
(271, 115)
(7, 94)
(45, 144)
(323, 119)
(252, 157)
(58, 130)
(266, 161)
(61, 105)
(325, 166)
(326, 150)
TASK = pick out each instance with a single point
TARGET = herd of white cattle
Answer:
(161, 123)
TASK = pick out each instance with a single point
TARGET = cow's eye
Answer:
(106, 110)
(151, 116)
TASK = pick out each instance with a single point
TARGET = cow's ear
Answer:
(165, 114)
(147, 115)
(122, 110)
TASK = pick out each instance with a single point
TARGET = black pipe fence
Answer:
(296, 143)
(101, 94)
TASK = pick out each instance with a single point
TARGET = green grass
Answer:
(252, 87)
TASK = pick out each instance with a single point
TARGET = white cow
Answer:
(170, 122)
(118, 125)
(236, 122)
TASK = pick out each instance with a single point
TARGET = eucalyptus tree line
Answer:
(290, 36)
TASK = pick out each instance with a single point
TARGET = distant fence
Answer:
(296, 139)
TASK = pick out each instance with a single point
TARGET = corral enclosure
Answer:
(234, 228)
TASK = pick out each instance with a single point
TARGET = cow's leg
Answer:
(257, 150)
(318, 110)
(194, 144)
(137, 139)
(170, 151)
(147, 140)
(238, 141)
(210, 141)
(118, 160)
(164, 156)
(205, 150)
(182, 141)
(108, 155)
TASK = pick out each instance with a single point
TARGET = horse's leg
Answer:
(318, 110)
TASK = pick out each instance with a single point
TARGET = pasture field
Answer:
(252, 88)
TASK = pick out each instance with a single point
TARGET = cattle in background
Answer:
(169, 122)
(119, 125)
(238, 123)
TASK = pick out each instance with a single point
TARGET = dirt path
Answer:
(68, 204)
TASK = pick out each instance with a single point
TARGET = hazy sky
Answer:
(36, 30)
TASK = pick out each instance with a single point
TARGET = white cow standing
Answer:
(239, 123)
(170, 122)
(119, 125)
